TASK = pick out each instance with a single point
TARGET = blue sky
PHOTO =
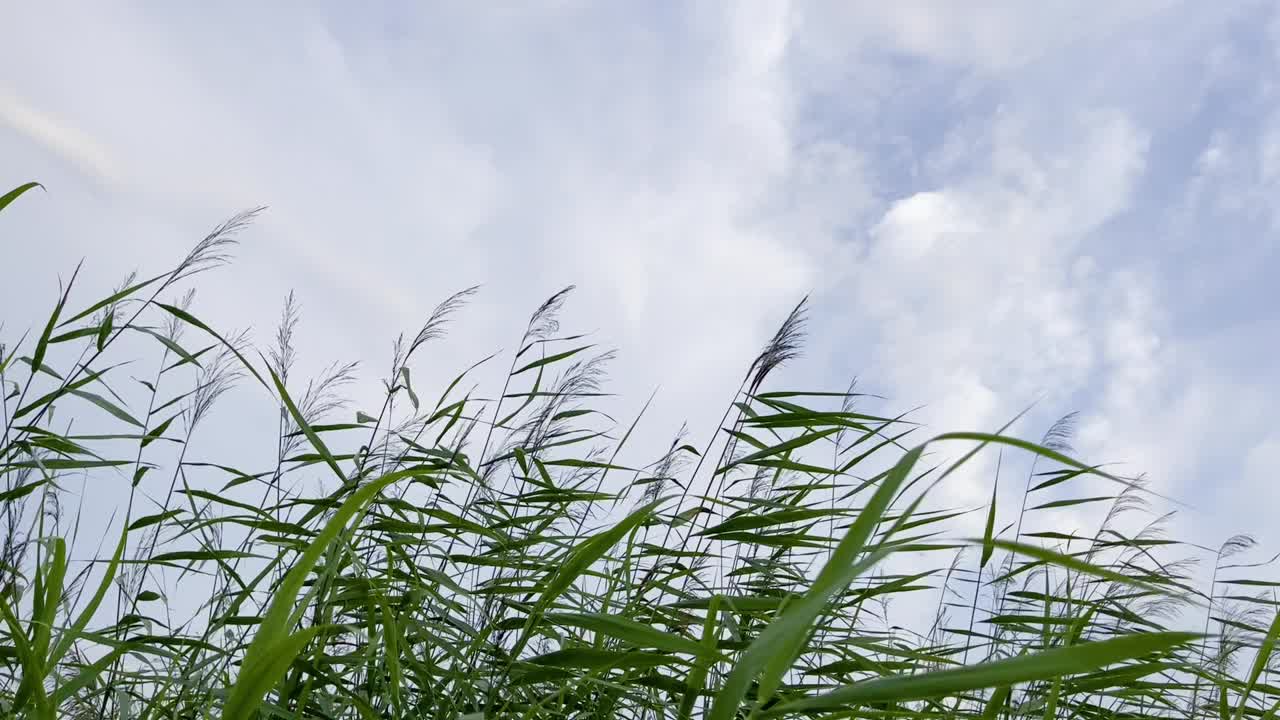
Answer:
(994, 203)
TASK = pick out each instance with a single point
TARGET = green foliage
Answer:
(494, 558)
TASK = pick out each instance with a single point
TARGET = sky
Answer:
(993, 205)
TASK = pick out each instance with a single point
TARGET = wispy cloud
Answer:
(59, 138)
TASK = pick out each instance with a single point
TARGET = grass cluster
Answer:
(487, 554)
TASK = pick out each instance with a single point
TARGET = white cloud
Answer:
(978, 295)
(989, 36)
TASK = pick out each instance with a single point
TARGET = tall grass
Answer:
(462, 554)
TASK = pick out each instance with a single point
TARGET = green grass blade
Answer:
(773, 651)
(272, 637)
(1040, 666)
(17, 192)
